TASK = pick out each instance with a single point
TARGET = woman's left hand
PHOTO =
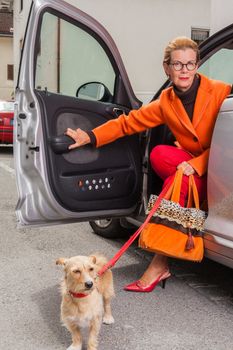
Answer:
(187, 168)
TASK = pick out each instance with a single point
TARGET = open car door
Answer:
(71, 75)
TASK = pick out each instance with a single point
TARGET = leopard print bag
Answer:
(174, 230)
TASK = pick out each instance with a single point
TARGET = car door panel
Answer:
(88, 178)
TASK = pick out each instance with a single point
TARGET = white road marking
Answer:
(7, 168)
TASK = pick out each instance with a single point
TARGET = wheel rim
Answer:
(103, 223)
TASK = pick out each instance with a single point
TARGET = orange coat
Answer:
(193, 136)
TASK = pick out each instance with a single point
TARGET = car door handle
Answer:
(118, 111)
(60, 144)
(115, 111)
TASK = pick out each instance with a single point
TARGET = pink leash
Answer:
(127, 244)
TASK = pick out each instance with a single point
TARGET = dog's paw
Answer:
(108, 319)
(72, 347)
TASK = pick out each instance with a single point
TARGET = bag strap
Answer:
(127, 244)
(175, 196)
(193, 196)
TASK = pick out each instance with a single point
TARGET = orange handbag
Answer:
(174, 230)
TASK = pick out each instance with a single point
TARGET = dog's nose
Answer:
(88, 284)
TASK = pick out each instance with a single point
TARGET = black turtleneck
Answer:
(188, 97)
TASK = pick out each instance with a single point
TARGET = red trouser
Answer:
(164, 161)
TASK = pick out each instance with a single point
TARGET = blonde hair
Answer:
(180, 43)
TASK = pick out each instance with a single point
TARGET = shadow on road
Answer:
(49, 301)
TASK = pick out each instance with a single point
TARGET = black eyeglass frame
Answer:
(182, 65)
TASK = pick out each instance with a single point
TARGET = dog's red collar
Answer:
(78, 295)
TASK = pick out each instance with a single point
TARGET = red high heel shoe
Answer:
(138, 287)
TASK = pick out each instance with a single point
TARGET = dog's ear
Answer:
(93, 258)
(61, 261)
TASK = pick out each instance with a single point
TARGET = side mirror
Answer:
(94, 91)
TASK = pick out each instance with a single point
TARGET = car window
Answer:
(219, 66)
(6, 106)
(69, 57)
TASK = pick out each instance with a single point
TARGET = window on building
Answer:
(10, 72)
(21, 5)
(199, 34)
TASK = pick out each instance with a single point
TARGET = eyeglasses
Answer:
(179, 65)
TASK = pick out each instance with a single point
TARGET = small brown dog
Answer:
(86, 298)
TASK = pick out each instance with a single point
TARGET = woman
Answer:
(189, 107)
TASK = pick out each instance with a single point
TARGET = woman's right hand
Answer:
(186, 168)
(80, 137)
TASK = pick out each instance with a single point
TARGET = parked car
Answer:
(6, 122)
(71, 75)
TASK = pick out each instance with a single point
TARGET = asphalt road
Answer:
(195, 311)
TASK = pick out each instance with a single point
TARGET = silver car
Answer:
(71, 75)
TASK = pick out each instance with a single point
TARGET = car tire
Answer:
(109, 228)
